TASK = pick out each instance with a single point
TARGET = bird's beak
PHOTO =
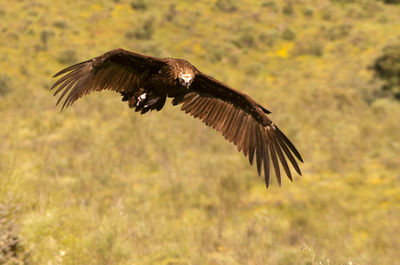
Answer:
(186, 80)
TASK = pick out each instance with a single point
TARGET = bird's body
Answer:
(145, 82)
(160, 84)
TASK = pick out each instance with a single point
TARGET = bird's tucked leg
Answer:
(141, 101)
(147, 101)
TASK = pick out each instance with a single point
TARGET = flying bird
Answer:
(145, 82)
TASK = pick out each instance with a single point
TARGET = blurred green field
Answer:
(100, 184)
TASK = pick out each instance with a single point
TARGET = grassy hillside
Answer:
(100, 184)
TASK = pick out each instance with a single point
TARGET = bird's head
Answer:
(186, 79)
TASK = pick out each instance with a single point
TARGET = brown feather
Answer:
(259, 149)
(281, 156)
(289, 155)
(289, 144)
(274, 159)
(210, 111)
(219, 120)
(252, 141)
(116, 70)
(235, 115)
(243, 142)
(238, 129)
(266, 164)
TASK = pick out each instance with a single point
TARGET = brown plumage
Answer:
(145, 82)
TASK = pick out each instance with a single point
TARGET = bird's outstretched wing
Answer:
(241, 121)
(118, 70)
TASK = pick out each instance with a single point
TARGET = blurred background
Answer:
(100, 184)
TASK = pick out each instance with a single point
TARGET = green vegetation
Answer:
(101, 184)
(387, 68)
(4, 85)
(11, 250)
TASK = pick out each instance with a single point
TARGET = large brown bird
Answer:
(145, 82)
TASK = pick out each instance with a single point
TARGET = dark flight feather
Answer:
(146, 81)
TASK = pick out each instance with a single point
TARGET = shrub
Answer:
(139, 4)
(144, 32)
(216, 53)
(338, 32)
(391, 1)
(11, 249)
(269, 38)
(45, 35)
(272, 6)
(172, 12)
(288, 9)
(61, 24)
(343, 1)
(327, 13)
(383, 19)
(308, 46)
(288, 34)
(245, 40)
(308, 11)
(226, 6)
(387, 68)
(269, 4)
(67, 57)
(356, 12)
(4, 85)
